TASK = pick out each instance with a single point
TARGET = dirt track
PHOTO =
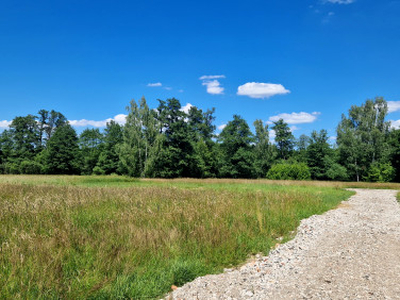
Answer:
(352, 252)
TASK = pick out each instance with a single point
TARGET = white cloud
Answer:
(340, 1)
(295, 118)
(395, 124)
(393, 106)
(212, 84)
(261, 90)
(214, 87)
(272, 134)
(221, 127)
(186, 108)
(210, 77)
(168, 88)
(4, 124)
(120, 119)
(293, 128)
(155, 84)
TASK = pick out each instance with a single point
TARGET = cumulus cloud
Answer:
(186, 108)
(4, 124)
(393, 106)
(261, 90)
(155, 84)
(395, 124)
(295, 118)
(120, 119)
(213, 85)
(221, 127)
(340, 1)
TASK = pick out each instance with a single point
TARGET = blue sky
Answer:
(305, 61)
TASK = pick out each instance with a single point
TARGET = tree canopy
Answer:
(168, 141)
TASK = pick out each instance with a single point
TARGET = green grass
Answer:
(116, 237)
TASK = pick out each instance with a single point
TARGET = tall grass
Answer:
(64, 241)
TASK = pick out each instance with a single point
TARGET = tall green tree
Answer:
(177, 156)
(284, 139)
(263, 153)
(316, 154)
(91, 145)
(201, 132)
(235, 142)
(394, 143)
(362, 137)
(62, 155)
(139, 136)
(302, 144)
(108, 161)
(48, 122)
(25, 136)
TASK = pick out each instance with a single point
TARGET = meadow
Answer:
(88, 237)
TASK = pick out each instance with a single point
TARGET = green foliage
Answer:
(362, 137)
(108, 161)
(380, 172)
(235, 140)
(263, 151)
(139, 136)
(62, 154)
(30, 167)
(335, 171)
(174, 141)
(289, 171)
(317, 152)
(91, 145)
(284, 139)
(394, 143)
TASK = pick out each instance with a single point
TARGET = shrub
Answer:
(30, 167)
(98, 171)
(337, 172)
(380, 172)
(11, 168)
(289, 171)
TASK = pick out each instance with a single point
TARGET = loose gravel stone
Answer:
(352, 252)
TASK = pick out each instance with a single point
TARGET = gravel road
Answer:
(352, 252)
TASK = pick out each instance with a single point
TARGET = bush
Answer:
(30, 167)
(11, 168)
(380, 172)
(289, 171)
(98, 171)
(337, 172)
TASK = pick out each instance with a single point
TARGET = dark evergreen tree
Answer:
(316, 154)
(238, 157)
(62, 155)
(108, 161)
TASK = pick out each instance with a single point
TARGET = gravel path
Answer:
(352, 252)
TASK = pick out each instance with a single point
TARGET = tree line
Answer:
(168, 142)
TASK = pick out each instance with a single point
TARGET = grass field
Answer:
(116, 237)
